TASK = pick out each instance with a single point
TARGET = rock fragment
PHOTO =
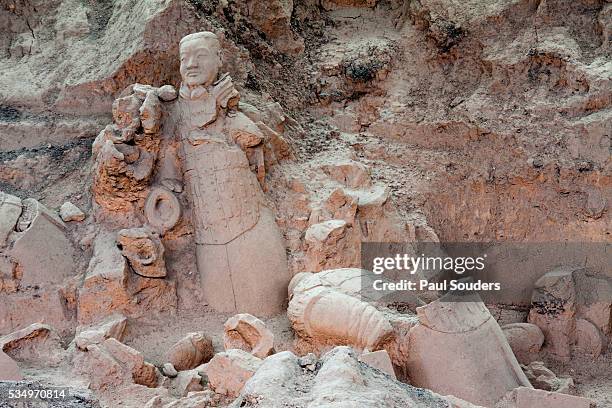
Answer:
(328, 245)
(588, 339)
(70, 212)
(111, 364)
(143, 373)
(544, 379)
(167, 93)
(150, 113)
(191, 351)
(573, 307)
(109, 287)
(525, 340)
(350, 173)
(37, 343)
(308, 362)
(141, 90)
(338, 379)
(228, 371)
(184, 382)
(125, 112)
(324, 231)
(112, 326)
(594, 299)
(169, 371)
(380, 360)
(103, 291)
(275, 376)
(246, 332)
(42, 249)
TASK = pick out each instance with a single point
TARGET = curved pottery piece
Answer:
(162, 209)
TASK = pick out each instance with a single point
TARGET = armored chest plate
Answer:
(225, 193)
(199, 113)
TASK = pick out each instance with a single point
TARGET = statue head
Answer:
(200, 58)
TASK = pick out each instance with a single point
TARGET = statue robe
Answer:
(240, 253)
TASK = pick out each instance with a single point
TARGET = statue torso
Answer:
(225, 194)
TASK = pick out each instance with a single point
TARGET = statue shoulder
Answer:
(243, 130)
(225, 93)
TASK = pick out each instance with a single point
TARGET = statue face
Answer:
(200, 62)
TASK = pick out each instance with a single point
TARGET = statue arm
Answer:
(169, 171)
(246, 134)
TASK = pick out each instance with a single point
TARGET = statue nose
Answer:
(192, 63)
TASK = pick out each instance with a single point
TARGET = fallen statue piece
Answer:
(246, 332)
(189, 352)
(460, 329)
(112, 326)
(380, 360)
(320, 311)
(111, 364)
(330, 307)
(228, 371)
(109, 287)
(524, 397)
(525, 340)
(40, 246)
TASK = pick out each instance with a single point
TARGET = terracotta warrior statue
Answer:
(240, 253)
(198, 150)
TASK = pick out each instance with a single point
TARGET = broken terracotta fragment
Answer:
(41, 247)
(189, 352)
(35, 344)
(320, 311)
(525, 340)
(144, 251)
(228, 371)
(246, 332)
(462, 330)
